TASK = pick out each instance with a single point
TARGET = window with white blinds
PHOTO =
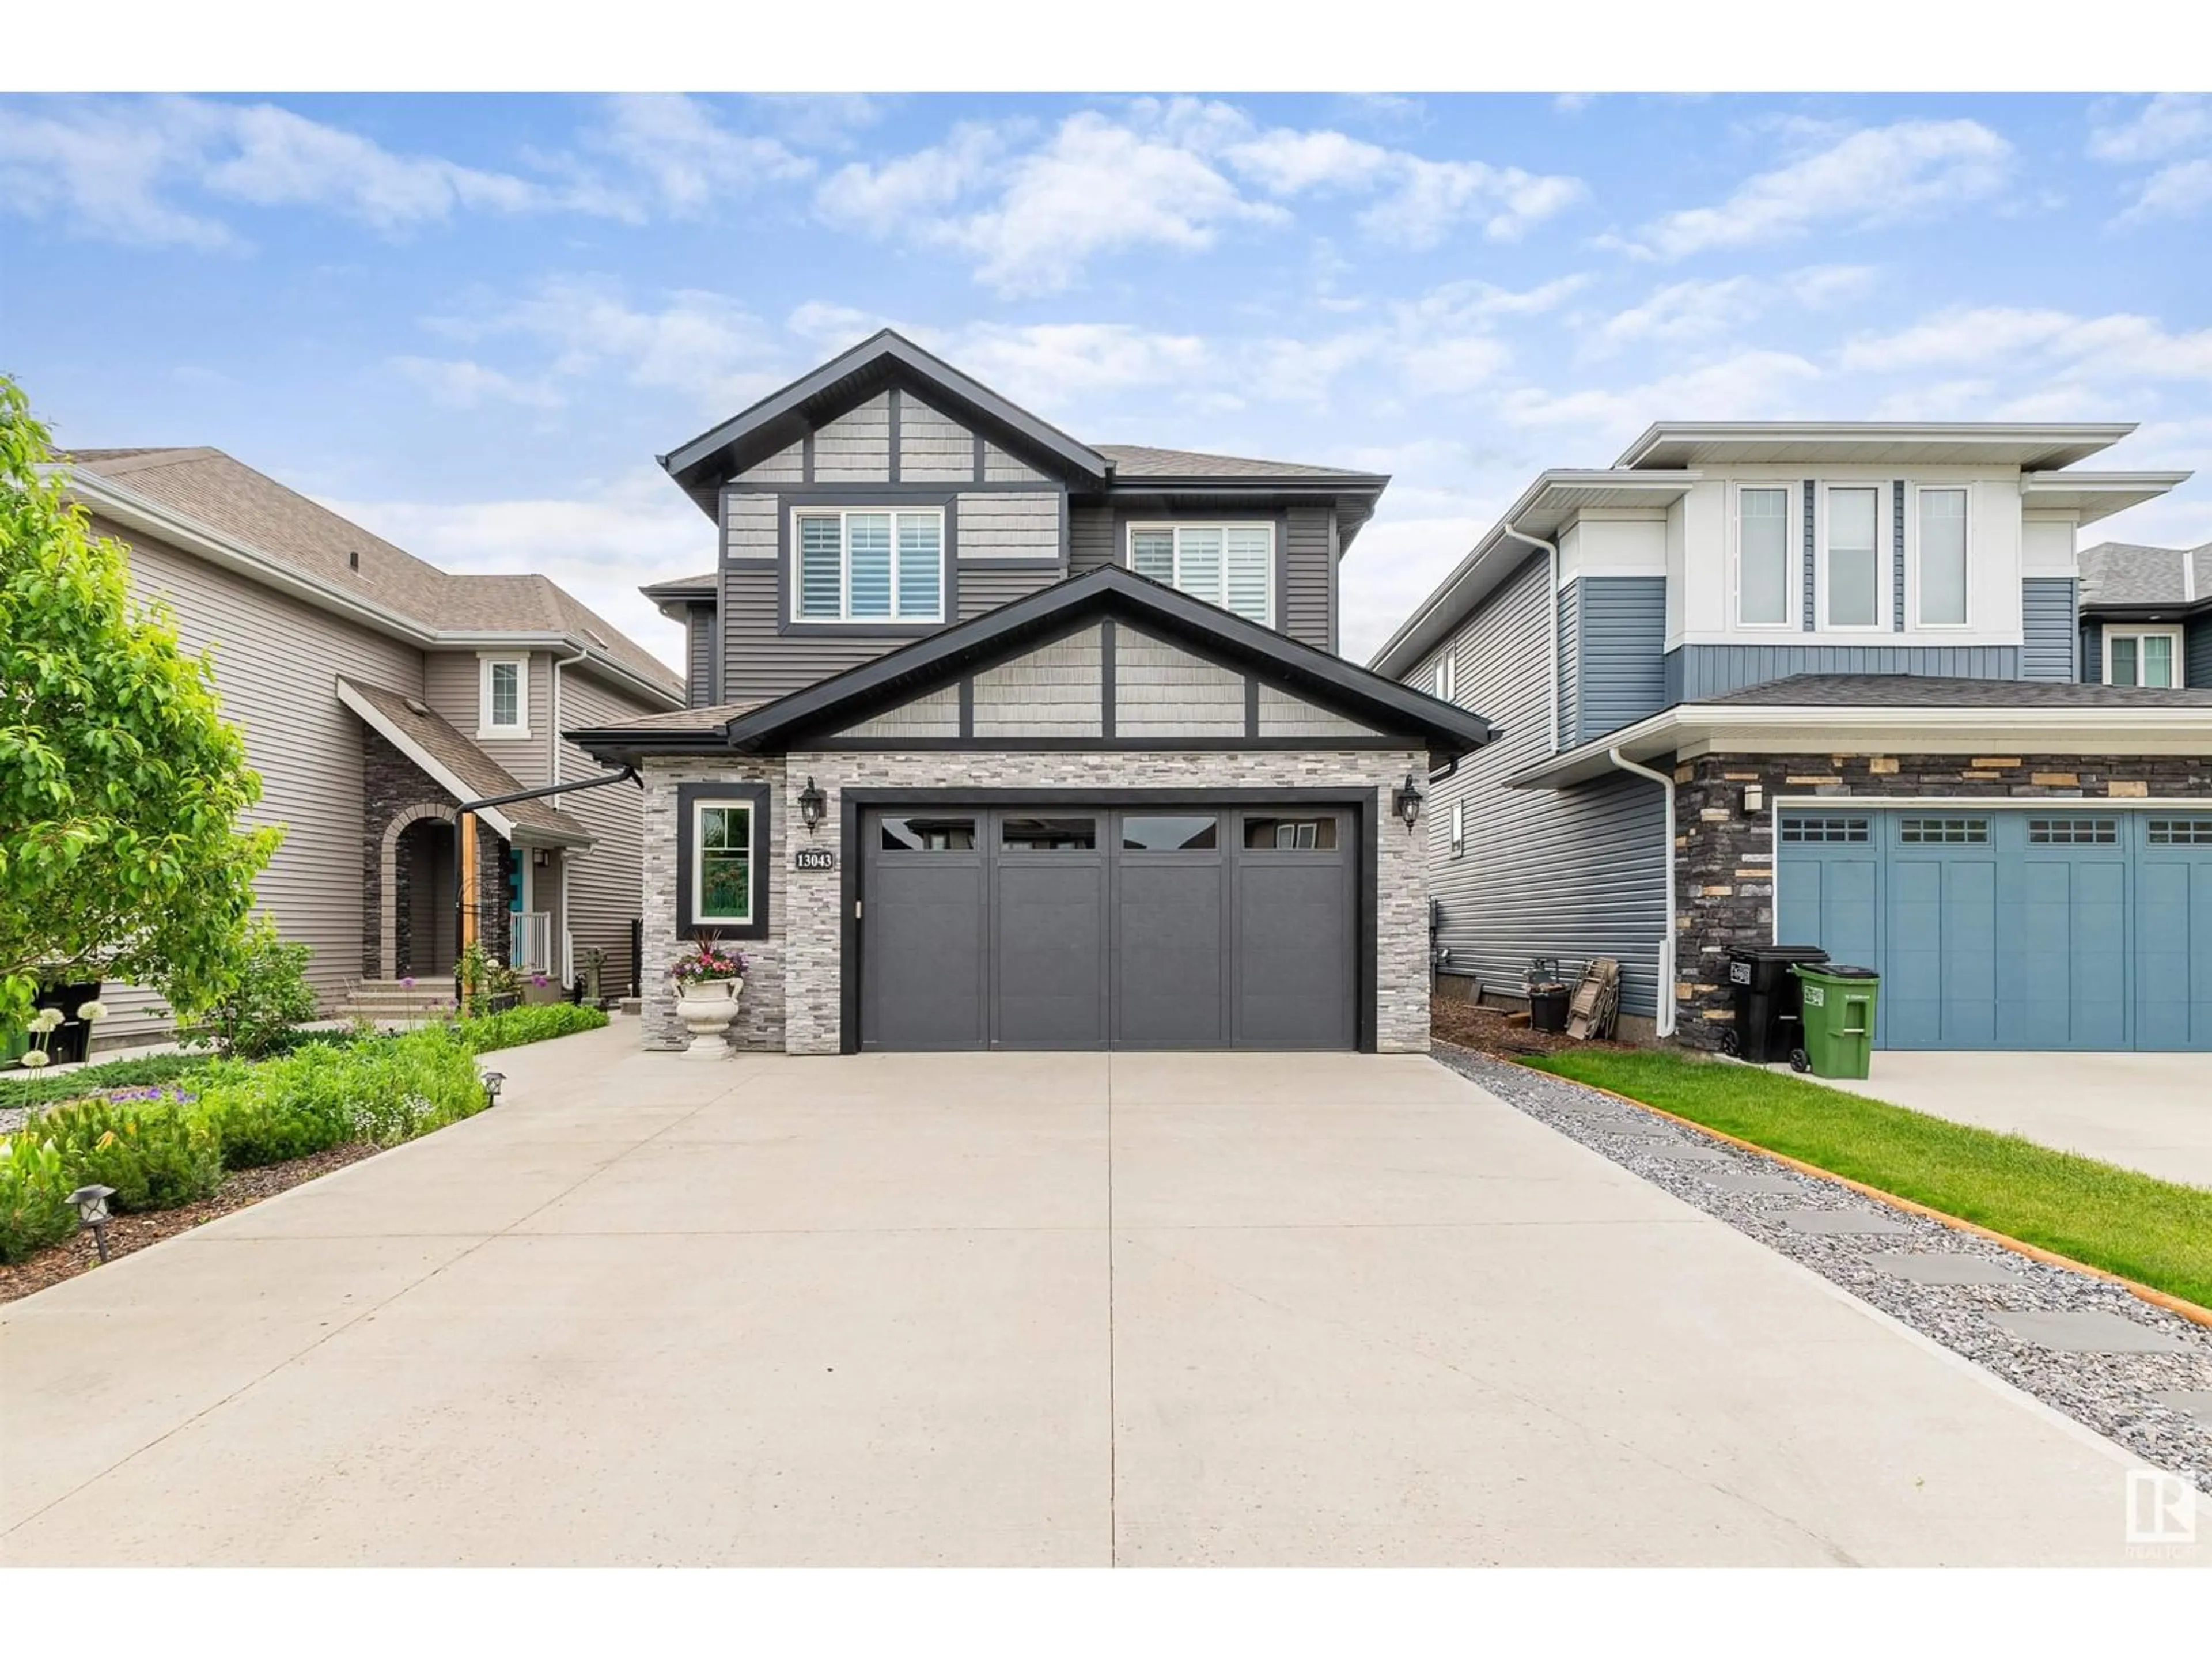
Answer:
(855, 566)
(1230, 565)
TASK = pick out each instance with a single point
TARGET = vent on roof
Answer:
(353, 560)
(419, 707)
(595, 639)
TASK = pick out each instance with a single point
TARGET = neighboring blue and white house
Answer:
(2147, 615)
(1823, 683)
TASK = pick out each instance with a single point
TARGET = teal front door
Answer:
(2065, 925)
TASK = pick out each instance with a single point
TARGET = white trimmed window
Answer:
(1458, 827)
(1447, 677)
(722, 871)
(1766, 565)
(864, 565)
(1230, 565)
(503, 697)
(1852, 590)
(1940, 557)
(2143, 656)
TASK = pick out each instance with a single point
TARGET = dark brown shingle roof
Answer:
(436, 737)
(226, 495)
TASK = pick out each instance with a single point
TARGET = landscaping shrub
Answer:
(532, 1022)
(34, 1189)
(156, 1153)
(42, 1089)
(268, 999)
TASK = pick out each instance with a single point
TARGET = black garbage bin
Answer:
(70, 1040)
(1768, 1016)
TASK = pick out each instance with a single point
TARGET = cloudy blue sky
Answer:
(471, 323)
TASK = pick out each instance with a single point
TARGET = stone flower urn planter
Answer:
(707, 1007)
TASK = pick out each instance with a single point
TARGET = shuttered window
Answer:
(1230, 565)
(857, 565)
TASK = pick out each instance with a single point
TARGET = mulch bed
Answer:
(127, 1233)
(1470, 1025)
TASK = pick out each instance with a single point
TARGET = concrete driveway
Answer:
(1004, 1309)
(2147, 1112)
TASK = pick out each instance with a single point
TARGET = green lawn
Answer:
(2150, 1230)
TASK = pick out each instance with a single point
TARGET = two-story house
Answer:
(2147, 615)
(1002, 740)
(376, 693)
(1824, 684)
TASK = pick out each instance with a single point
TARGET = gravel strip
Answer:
(2117, 1395)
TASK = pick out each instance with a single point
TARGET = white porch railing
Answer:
(530, 946)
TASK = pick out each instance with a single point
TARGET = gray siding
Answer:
(2197, 653)
(275, 660)
(2093, 652)
(1897, 557)
(934, 715)
(606, 882)
(451, 683)
(786, 467)
(1805, 555)
(1573, 873)
(757, 661)
(934, 447)
(1284, 715)
(1693, 672)
(1162, 691)
(2048, 628)
(1569, 624)
(985, 587)
(752, 530)
(999, 467)
(1009, 524)
(1620, 642)
(1053, 691)
(856, 446)
(699, 626)
(1090, 536)
(1309, 576)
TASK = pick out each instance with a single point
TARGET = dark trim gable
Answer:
(789, 416)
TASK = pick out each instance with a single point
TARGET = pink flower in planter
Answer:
(539, 980)
(407, 979)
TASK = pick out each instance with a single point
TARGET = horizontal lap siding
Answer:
(999, 467)
(2197, 653)
(1574, 874)
(1310, 577)
(757, 662)
(985, 588)
(1695, 672)
(751, 529)
(934, 447)
(856, 446)
(2049, 628)
(453, 684)
(274, 664)
(785, 466)
(1090, 537)
(605, 884)
(1008, 524)
(699, 627)
(1620, 633)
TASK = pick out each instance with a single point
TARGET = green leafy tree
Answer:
(121, 784)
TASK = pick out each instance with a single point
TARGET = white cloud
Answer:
(105, 167)
(1284, 162)
(819, 120)
(2170, 121)
(681, 151)
(1677, 312)
(457, 383)
(602, 543)
(2174, 191)
(1436, 197)
(1871, 177)
(1751, 385)
(2001, 339)
(1817, 287)
(882, 199)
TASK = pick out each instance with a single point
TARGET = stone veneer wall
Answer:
(792, 996)
(1724, 871)
(392, 784)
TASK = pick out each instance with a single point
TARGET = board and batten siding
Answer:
(275, 662)
(605, 881)
(1573, 873)
(2049, 629)
(1620, 653)
(1694, 671)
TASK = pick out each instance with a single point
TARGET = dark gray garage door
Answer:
(1094, 928)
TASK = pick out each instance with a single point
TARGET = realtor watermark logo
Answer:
(2161, 1510)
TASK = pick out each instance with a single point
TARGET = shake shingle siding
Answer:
(1574, 874)
(2048, 628)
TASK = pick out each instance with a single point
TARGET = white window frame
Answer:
(697, 874)
(486, 726)
(1178, 525)
(1885, 557)
(1913, 621)
(1793, 584)
(2139, 631)
(1447, 677)
(1458, 828)
(845, 618)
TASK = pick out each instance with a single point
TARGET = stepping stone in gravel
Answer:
(1934, 1269)
(1690, 1154)
(1730, 1180)
(2197, 1402)
(2094, 1332)
(1840, 1221)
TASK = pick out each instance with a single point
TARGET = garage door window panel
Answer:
(1048, 834)
(928, 835)
(1170, 833)
(1300, 834)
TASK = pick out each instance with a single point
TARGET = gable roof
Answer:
(204, 489)
(884, 358)
(2126, 574)
(1110, 591)
(459, 766)
(1132, 461)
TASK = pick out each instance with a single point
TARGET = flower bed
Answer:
(170, 1142)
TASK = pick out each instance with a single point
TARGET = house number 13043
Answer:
(814, 858)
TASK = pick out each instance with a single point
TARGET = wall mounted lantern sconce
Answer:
(812, 804)
(1754, 797)
(1406, 802)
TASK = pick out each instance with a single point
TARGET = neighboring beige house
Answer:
(375, 691)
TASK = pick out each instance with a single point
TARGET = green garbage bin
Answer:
(1839, 1014)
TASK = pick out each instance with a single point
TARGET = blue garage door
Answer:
(2048, 928)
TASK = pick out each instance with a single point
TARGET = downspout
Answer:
(568, 965)
(1663, 1018)
(1551, 628)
